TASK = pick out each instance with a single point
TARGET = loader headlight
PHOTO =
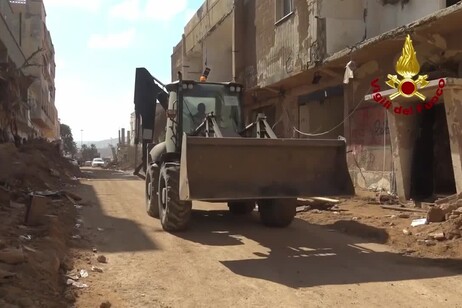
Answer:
(232, 88)
(190, 86)
(238, 89)
(185, 86)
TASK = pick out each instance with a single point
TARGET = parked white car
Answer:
(97, 162)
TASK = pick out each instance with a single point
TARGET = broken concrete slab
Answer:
(435, 214)
(36, 210)
(438, 236)
(448, 207)
(449, 199)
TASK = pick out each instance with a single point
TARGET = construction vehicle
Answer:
(215, 157)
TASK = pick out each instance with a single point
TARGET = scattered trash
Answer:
(77, 226)
(26, 237)
(76, 237)
(305, 208)
(386, 198)
(73, 277)
(47, 193)
(100, 229)
(419, 222)
(96, 269)
(29, 248)
(83, 273)
(76, 284)
(79, 207)
(407, 232)
(101, 259)
(95, 250)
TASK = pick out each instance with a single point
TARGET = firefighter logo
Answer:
(407, 67)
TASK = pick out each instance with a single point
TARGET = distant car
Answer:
(97, 162)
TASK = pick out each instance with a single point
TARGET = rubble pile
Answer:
(448, 212)
(36, 224)
(35, 165)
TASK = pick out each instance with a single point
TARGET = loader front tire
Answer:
(174, 213)
(152, 200)
(277, 213)
(241, 207)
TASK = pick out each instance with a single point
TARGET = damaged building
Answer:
(309, 64)
(27, 49)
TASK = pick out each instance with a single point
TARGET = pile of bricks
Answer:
(449, 210)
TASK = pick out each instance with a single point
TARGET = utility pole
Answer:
(81, 139)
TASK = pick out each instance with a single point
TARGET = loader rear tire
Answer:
(152, 200)
(241, 207)
(174, 213)
(277, 213)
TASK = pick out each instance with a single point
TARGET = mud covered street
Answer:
(229, 261)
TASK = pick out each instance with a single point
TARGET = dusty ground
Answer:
(228, 261)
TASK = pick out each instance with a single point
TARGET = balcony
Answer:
(41, 119)
(9, 28)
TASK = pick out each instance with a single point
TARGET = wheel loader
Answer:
(214, 157)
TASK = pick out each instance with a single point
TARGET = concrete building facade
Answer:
(37, 41)
(292, 55)
(14, 111)
(27, 43)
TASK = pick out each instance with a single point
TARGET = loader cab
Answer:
(224, 100)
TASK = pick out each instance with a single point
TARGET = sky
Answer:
(98, 45)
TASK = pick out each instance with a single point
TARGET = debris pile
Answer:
(35, 223)
(448, 212)
(36, 165)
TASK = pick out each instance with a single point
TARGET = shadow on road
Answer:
(112, 232)
(306, 255)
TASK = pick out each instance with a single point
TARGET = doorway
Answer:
(432, 171)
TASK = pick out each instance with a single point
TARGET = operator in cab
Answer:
(200, 115)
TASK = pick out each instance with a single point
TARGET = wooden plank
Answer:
(404, 209)
(330, 200)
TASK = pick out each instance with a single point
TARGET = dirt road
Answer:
(228, 261)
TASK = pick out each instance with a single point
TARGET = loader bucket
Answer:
(224, 169)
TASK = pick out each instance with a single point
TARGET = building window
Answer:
(451, 2)
(284, 8)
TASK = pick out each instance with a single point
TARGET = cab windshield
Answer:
(203, 99)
